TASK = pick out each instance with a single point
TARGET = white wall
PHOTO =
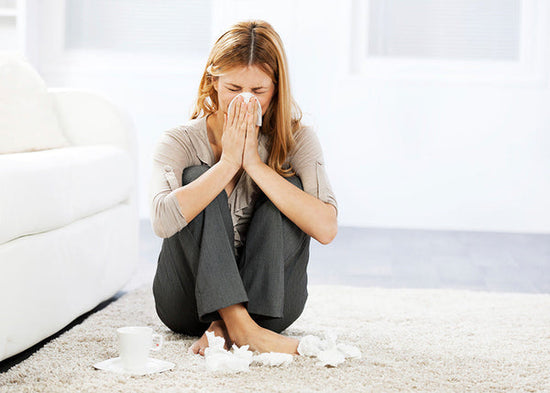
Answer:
(433, 155)
(400, 153)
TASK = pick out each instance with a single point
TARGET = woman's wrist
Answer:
(254, 167)
(231, 166)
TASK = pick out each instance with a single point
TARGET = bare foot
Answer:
(264, 340)
(219, 329)
(243, 330)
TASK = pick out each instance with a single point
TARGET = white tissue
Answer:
(330, 357)
(242, 353)
(330, 339)
(273, 359)
(247, 96)
(310, 346)
(215, 343)
(327, 350)
(225, 362)
(217, 358)
(349, 351)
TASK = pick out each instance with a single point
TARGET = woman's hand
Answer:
(251, 156)
(234, 134)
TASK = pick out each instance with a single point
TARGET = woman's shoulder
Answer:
(306, 149)
(184, 143)
(305, 139)
(191, 132)
(190, 128)
(304, 131)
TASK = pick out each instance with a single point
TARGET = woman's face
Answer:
(244, 79)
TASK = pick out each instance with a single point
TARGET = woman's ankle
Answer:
(216, 324)
(238, 322)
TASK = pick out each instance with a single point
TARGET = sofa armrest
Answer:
(89, 118)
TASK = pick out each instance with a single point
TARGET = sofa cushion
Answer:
(48, 189)
(28, 121)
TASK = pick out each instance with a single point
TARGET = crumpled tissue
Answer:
(327, 350)
(247, 96)
(273, 359)
(217, 358)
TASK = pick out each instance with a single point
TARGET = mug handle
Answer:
(158, 346)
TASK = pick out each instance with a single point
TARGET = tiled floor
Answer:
(400, 258)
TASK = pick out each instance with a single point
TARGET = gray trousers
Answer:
(198, 272)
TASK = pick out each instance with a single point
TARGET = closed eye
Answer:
(255, 91)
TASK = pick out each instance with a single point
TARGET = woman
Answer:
(237, 204)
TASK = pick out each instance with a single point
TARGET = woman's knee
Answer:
(180, 322)
(178, 316)
(192, 173)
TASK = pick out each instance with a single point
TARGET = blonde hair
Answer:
(255, 43)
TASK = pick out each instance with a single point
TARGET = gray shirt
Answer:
(187, 145)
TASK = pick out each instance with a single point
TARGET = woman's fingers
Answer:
(254, 112)
(238, 116)
(239, 112)
(249, 114)
(242, 114)
(251, 129)
(240, 131)
(233, 113)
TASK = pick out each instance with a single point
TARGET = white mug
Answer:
(135, 342)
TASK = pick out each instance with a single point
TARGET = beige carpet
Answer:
(411, 340)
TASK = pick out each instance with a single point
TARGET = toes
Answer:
(194, 348)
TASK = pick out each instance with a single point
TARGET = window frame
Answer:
(530, 70)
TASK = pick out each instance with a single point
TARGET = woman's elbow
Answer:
(328, 232)
(166, 220)
(158, 230)
(158, 224)
(329, 236)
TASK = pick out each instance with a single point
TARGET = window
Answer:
(171, 27)
(469, 40)
(131, 36)
(12, 32)
(464, 29)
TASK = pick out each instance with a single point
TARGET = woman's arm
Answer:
(311, 215)
(195, 196)
(198, 194)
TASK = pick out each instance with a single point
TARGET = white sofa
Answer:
(68, 204)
